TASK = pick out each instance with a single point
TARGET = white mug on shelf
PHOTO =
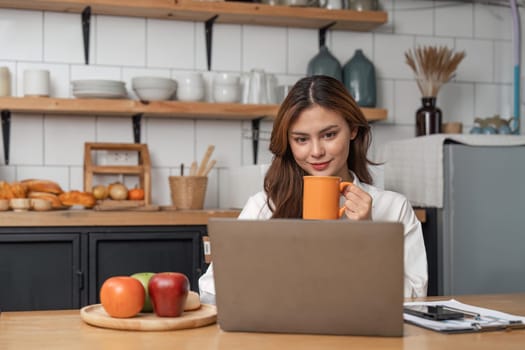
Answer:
(191, 87)
(36, 82)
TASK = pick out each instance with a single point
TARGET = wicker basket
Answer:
(188, 192)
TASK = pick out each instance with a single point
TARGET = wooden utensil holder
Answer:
(142, 169)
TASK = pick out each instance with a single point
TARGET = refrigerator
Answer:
(481, 226)
(473, 190)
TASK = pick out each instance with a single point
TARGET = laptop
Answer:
(300, 276)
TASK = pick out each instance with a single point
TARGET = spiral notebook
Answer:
(297, 276)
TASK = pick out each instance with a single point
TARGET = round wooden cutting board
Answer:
(95, 315)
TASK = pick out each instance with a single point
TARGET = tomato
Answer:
(136, 194)
(122, 296)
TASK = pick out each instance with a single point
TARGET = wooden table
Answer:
(65, 330)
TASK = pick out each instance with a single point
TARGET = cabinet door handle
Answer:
(80, 275)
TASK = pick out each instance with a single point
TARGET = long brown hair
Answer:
(284, 180)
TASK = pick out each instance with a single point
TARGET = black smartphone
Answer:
(436, 313)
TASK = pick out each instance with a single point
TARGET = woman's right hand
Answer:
(358, 204)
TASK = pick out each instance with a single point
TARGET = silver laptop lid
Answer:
(298, 276)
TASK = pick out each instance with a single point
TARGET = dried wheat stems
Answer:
(433, 67)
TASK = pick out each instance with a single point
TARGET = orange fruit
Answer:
(136, 194)
(122, 296)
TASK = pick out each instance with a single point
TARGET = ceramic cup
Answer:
(5, 82)
(191, 87)
(36, 82)
(321, 196)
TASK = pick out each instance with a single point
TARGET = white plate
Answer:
(96, 82)
(98, 94)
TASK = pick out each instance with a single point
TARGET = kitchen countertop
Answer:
(80, 217)
(65, 330)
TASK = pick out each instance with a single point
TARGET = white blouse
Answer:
(386, 206)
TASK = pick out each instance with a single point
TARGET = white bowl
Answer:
(20, 204)
(40, 204)
(154, 94)
(226, 79)
(190, 79)
(226, 93)
(153, 82)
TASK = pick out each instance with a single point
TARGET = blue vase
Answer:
(324, 63)
(359, 76)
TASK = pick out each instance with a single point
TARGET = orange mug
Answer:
(321, 196)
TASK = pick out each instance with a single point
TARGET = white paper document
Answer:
(479, 319)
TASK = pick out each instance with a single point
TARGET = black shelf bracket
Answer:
(86, 21)
(6, 132)
(136, 127)
(208, 31)
(322, 34)
(256, 128)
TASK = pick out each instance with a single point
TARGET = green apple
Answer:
(144, 278)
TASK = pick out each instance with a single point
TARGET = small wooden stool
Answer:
(142, 169)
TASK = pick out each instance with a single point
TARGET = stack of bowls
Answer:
(226, 88)
(154, 88)
(99, 89)
(191, 87)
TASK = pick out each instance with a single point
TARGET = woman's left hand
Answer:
(358, 204)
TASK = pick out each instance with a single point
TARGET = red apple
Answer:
(168, 292)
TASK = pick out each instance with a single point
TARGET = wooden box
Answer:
(142, 169)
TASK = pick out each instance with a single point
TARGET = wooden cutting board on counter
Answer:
(95, 315)
(127, 205)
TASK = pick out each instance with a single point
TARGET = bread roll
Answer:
(53, 198)
(19, 190)
(5, 190)
(48, 186)
(193, 301)
(13, 190)
(85, 199)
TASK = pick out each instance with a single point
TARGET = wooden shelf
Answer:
(171, 109)
(227, 12)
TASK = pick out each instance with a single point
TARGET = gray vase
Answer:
(324, 63)
(359, 77)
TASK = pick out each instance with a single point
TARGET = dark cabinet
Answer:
(63, 268)
(129, 250)
(40, 271)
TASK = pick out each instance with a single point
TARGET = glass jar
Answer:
(428, 118)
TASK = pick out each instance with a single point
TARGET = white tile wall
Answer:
(303, 44)
(121, 41)
(63, 40)
(492, 22)
(21, 35)
(124, 47)
(264, 47)
(27, 138)
(478, 65)
(414, 17)
(64, 140)
(170, 44)
(454, 19)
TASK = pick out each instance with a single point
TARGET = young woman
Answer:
(320, 130)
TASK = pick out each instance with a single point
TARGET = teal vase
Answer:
(324, 63)
(359, 77)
